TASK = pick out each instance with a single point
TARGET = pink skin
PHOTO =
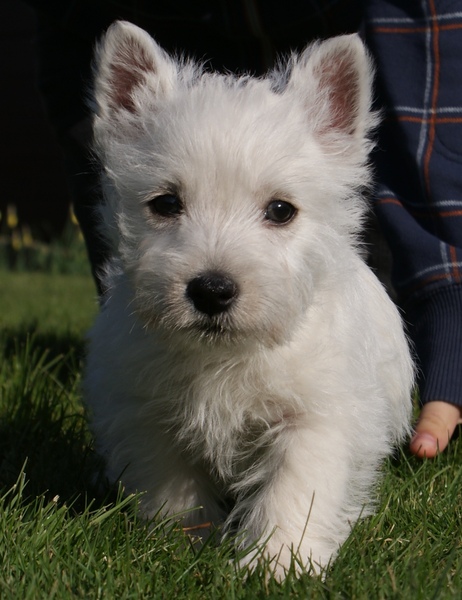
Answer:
(435, 428)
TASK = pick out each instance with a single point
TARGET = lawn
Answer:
(61, 537)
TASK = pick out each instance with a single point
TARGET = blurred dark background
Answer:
(31, 165)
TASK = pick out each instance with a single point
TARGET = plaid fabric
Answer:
(418, 50)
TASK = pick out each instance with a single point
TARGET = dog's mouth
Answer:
(213, 330)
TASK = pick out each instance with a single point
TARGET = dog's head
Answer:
(231, 201)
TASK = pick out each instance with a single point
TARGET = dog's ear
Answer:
(127, 62)
(334, 78)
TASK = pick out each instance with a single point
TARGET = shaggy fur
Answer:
(246, 365)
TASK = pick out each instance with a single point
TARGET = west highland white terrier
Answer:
(247, 368)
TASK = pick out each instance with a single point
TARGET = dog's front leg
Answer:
(172, 484)
(297, 500)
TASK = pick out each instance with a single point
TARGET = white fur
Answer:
(290, 401)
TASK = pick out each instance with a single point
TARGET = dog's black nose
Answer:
(212, 293)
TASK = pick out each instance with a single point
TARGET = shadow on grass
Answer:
(69, 344)
(43, 427)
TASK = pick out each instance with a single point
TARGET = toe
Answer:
(434, 429)
(424, 445)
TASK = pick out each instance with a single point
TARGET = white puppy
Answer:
(245, 361)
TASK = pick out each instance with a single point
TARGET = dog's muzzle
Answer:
(212, 293)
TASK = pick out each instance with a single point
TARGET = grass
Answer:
(60, 538)
(48, 304)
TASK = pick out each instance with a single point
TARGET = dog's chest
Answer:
(229, 417)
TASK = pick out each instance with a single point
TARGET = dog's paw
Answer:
(280, 561)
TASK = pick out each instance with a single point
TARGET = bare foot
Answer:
(434, 428)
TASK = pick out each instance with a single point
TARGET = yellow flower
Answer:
(11, 216)
(74, 220)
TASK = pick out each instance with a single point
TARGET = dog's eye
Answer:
(280, 212)
(166, 205)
